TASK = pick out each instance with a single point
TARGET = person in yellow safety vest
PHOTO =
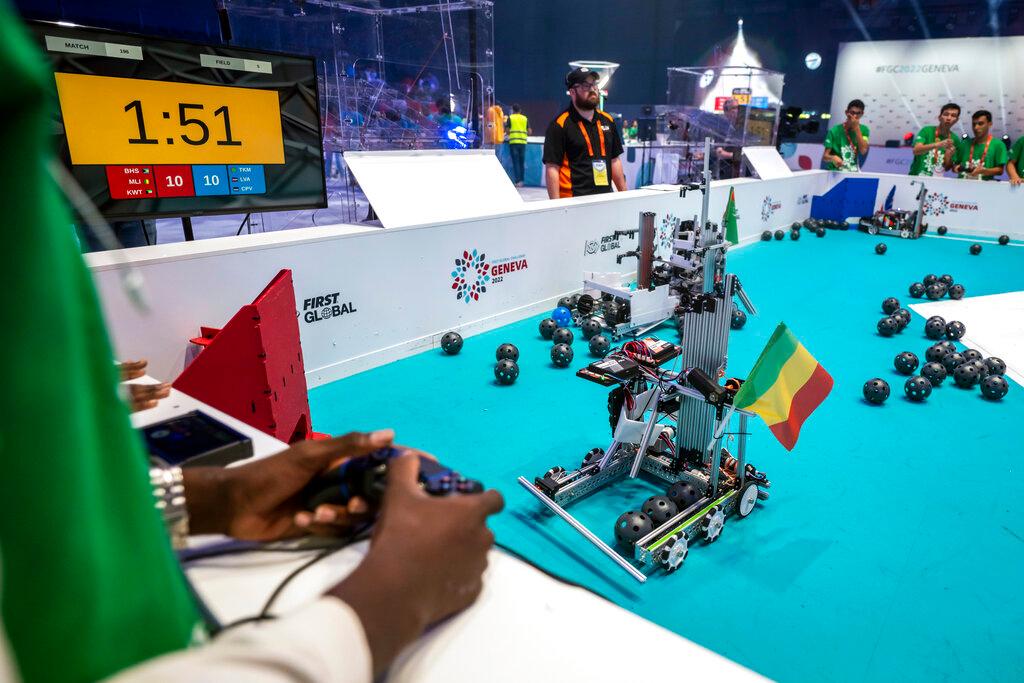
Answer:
(518, 130)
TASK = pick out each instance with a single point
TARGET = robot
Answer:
(667, 424)
(897, 222)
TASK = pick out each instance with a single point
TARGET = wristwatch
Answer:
(169, 494)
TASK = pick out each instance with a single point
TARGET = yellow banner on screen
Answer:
(133, 121)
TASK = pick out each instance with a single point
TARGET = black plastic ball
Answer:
(876, 390)
(660, 509)
(820, 232)
(888, 326)
(935, 329)
(739, 319)
(890, 305)
(573, 300)
(934, 373)
(766, 236)
(972, 354)
(880, 248)
(906, 363)
(451, 343)
(942, 229)
(563, 335)
(599, 345)
(956, 291)
(975, 249)
(506, 371)
(955, 330)
(951, 361)
(631, 526)
(994, 387)
(917, 290)
(797, 226)
(561, 355)
(506, 352)
(902, 314)
(917, 388)
(982, 368)
(1004, 240)
(794, 235)
(547, 327)
(936, 352)
(590, 327)
(565, 302)
(995, 366)
(966, 375)
(946, 279)
(683, 494)
(930, 279)
(779, 234)
(939, 318)
(585, 304)
(935, 291)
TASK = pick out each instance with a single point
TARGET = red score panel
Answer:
(130, 182)
(173, 181)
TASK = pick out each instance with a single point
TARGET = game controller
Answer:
(366, 478)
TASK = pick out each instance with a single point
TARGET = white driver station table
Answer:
(526, 626)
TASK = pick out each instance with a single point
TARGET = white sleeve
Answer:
(324, 641)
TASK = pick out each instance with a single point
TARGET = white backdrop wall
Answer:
(903, 83)
(387, 293)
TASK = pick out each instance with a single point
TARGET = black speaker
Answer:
(646, 129)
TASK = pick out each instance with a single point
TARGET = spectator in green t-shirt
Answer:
(1015, 165)
(984, 157)
(847, 141)
(935, 147)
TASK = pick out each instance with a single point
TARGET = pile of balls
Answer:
(896, 318)
(968, 369)
(935, 287)
(556, 329)
(815, 225)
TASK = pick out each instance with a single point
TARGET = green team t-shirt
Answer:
(1017, 155)
(930, 163)
(839, 142)
(972, 154)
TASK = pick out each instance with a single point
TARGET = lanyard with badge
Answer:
(984, 153)
(939, 154)
(599, 166)
(853, 147)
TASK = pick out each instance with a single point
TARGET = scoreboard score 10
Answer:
(171, 139)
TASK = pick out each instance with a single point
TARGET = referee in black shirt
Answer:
(582, 145)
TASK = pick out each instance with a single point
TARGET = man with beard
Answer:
(583, 144)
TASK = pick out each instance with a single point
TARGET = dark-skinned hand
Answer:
(262, 500)
(426, 561)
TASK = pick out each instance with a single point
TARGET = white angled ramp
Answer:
(995, 326)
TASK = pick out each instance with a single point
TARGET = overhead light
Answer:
(812, 60)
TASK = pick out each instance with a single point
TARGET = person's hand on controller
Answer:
(426, 560)
(146, 396)
(264, 500)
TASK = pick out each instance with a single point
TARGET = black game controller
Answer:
(366, 477)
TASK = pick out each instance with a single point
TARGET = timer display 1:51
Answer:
(133, 121)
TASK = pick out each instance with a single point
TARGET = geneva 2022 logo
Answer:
(471, 275)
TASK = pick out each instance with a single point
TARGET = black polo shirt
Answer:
(572, 143)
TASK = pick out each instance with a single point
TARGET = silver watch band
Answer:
(169, 492)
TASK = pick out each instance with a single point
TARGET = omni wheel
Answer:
(676, 553)
(747, 499)
(713, 523)
(873, 230)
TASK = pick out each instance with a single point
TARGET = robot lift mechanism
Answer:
(669, 425)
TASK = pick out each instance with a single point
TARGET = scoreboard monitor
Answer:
(154, 127)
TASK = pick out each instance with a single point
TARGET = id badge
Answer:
(600, 173)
